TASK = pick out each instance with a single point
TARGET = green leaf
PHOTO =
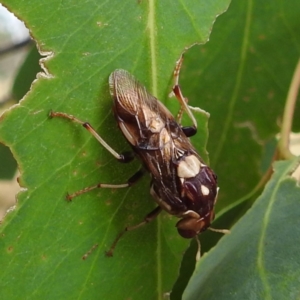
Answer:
(259, 259)
(43, 240)
(242, 77)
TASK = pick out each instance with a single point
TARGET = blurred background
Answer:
(18, 68)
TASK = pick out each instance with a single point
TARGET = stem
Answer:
(288, 115)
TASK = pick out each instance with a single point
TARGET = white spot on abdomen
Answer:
(189, 167)
(204, 190)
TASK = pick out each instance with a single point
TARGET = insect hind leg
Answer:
(123, 157)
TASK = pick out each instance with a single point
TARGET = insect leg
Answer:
(132, 180)
(85, 256)
(124, 157)
(191, 130)
(149, 217)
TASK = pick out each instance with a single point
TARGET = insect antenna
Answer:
(198, 255)
(225, 231)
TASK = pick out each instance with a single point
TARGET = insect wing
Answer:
(139, 114)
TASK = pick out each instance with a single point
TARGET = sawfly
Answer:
(181, 183)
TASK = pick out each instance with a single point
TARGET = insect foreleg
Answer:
(124, 157)
(149, 217)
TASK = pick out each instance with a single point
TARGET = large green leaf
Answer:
(242, 77)
(43, 240)
(260, 258)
